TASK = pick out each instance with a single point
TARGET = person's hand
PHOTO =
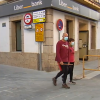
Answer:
(68, 63)
(61, 63)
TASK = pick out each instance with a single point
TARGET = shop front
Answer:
(28, 32)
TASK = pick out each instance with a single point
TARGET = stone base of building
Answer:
(49, 63)
(25, 60)
(30, 60)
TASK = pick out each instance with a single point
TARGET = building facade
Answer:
(18, 46)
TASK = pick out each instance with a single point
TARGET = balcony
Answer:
(2, 2)
(93, 4)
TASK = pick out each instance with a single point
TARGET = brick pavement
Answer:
(27, 84)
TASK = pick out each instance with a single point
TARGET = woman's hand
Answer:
(61, 63)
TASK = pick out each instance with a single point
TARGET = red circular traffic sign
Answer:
(28, 19)
(59, 24)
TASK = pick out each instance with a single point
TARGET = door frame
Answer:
(86, 59)
(70, 18)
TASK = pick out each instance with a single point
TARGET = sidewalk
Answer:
(78, 69)
(27, 84)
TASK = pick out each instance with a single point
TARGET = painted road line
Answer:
(91, 75)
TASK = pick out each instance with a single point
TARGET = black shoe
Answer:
(54, 81)
(71, 82)
(65, 86)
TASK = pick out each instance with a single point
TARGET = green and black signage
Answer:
(31, 5)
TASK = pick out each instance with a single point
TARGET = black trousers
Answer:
(64, 71)
(71, 67)
(70, 71)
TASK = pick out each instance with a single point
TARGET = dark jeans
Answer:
(70, 71)
(64, 71)
(71, 67)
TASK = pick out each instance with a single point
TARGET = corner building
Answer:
(18, 46)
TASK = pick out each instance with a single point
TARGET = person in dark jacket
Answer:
(62, 58)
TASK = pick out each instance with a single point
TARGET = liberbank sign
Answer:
(75, 8)
(33, 5)
(63, 4)
(23, 6)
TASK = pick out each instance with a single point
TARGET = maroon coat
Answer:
(62, 51)
(71, 54)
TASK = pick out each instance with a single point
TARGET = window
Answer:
(3, 24)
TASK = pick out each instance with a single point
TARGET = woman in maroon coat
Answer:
(71, 59)
(62, 58)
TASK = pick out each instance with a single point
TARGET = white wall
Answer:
(61, 15)
(29, 38)
(57, 15)
(4, 35)
(29, 41)
(98, 36)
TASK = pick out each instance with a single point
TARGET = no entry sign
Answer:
(59, 24)
(28, 19)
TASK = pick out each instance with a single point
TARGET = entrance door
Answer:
(83, 44)
(69, 27)
(18, 36)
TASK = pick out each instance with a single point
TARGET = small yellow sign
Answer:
(39, 32)
(39, 20)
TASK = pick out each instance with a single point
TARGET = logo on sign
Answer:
(62, 3)
(33, 4)
(28, 19)
(36, 3)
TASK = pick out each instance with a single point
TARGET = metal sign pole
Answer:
(39, 37)
(40, 56)
(59, 34)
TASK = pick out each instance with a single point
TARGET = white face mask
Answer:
(72, 43)
(65, 38)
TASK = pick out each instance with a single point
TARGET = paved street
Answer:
(27, 84)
